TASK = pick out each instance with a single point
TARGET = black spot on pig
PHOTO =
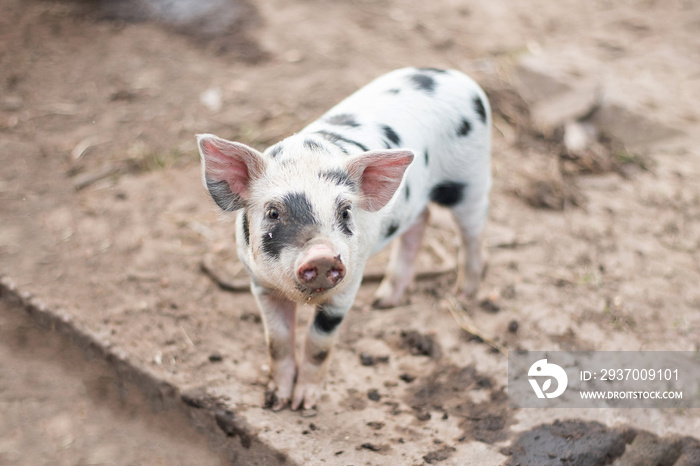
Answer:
(246, 228)
(393, 91)
(325, 321)
(221, 192)
(391, 229)
(448, 193)
(423, 82)
(337, 139)
(343, 119)
(427, 157)
(432, 70)
(464, 128)
(293, 217)
(479, 108)
(339, 178)
(275, 150)
(310, 144)
(408, 192)
(391, 135)
(299, 209)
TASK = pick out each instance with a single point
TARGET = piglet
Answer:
(314, 207)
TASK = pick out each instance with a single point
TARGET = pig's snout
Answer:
(320, 269)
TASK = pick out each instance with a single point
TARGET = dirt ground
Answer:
(105, 226)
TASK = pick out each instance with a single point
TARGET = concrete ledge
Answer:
(228, 432)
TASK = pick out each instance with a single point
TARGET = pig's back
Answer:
(443, 116)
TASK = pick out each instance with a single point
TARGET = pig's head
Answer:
(304, 202)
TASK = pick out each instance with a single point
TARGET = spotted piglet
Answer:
(315, 206)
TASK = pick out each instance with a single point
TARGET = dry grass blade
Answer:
(233, 285)
(83, 181)
(465, 323)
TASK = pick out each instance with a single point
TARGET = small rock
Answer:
(423, 415)
(366, 359)
(373, 447)
(408, 378)
(375, 425)
(490, 305)
(579, 136)
(212, 99)
(374, 395)
(215, 357)
(513, 326)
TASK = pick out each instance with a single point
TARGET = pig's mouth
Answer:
(310, 293)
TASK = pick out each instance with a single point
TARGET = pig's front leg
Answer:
(318, 347)
(279, 318)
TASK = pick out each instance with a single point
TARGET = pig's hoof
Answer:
(306, 396)
(274, 399)
(387, 302)
(386, 297)
(467, 293)
(383, 303)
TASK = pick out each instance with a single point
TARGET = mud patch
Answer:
(420, 344)
(447, 389)
(571, 442)
(438, 455)
(577, 442)
(355, 401)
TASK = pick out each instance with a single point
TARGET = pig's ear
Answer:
(379, 174)
(227, 169)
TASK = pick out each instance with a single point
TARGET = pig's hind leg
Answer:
(470, 216)
(401, 266)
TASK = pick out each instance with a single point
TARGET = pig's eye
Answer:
(272, 214)
(345, 213)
